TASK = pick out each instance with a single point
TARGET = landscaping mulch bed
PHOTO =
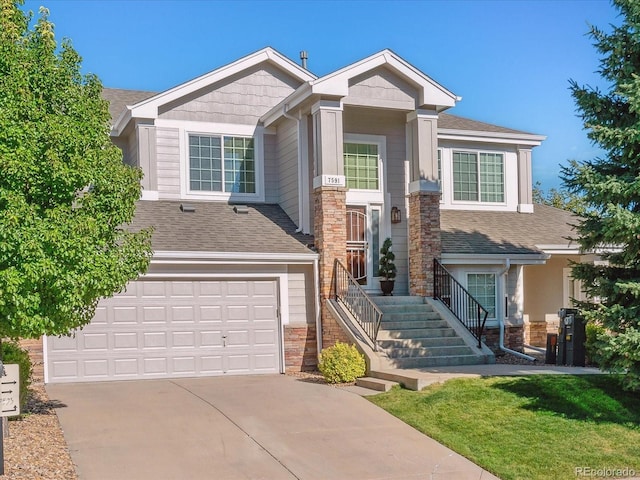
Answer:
(36, 448)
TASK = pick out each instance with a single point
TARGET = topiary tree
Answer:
(65, 195)
(610, 189)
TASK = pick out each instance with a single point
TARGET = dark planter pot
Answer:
(387, 286)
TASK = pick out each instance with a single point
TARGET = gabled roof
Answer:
(508, 233)
(149, 108)
(430, 92)
(265, 228)
(336, 84)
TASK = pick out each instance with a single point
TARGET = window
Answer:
(222, 164)
(361, 167)
(478, 177)
(482, 286)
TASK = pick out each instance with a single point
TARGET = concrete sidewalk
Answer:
(243, 427)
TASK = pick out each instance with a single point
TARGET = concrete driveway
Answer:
(242, 427)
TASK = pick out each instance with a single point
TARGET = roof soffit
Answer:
(149, 108)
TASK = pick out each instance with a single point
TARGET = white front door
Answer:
(363, 243)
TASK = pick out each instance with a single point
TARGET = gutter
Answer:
(503, 274)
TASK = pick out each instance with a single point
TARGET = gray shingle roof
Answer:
(473, 232)
(454, 122)
(215, 227)
(118, 99)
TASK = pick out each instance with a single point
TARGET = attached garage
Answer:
(164, 329)
(215, 301)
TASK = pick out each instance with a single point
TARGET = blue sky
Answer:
(509, 60)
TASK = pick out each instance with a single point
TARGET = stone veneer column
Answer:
(331, 241)
(424, 240)
(424, 200)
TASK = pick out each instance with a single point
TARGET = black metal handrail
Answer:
(351, 294)
(457, 299)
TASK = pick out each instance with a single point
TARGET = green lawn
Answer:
(534, 427)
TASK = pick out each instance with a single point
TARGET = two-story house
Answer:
(259, 175)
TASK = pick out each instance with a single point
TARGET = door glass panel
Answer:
(357, 243)
(375, 240)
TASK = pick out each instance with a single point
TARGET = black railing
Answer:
(349, 292)
(457, 299)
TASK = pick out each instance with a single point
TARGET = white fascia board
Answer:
(560, 249)
(494, 258)
(337, 83)
(495, 137)
(288, 104)
(122, 122)
(175, 257)
(149, 108)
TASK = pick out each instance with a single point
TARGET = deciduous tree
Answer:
(65, 195)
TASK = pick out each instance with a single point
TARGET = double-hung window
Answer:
(478, 177)
(482, 286)
(221, 163)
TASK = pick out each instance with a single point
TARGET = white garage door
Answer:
(164, 329)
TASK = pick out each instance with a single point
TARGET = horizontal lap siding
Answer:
(287, 154)
(168, 162)
(271, 170)
(240, 99)
(301, 296)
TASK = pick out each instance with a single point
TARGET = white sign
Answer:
(10, 391)
(329, 181)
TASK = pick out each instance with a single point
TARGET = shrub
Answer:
(342, 363)
(12, 353)
(593, 331)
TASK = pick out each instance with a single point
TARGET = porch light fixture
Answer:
(396, 215)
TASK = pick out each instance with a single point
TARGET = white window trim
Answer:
(478, 152)
(358, 196)
(221, 129)
(499, 306)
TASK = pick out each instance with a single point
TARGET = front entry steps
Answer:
(413, 334)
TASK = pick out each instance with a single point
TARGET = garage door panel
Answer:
(95, 341)
(125, 340)
(154, 340)
(161, 329)
(211, 289)
(124, 315)
(211, 338)
(183, 339)
(210, 313)
(183, 314)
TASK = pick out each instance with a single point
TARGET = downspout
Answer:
(316, 278)
(504, 274)
(286, 114)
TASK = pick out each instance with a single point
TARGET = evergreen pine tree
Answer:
(610, 188)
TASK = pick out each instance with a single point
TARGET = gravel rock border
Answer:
(36, 448)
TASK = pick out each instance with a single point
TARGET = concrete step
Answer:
(390, 333)
(409, 308)
(377, 384)
(397, 300)
(413, 324)
(421, 342)
(410, 316)
(421, 352)
(441, 361)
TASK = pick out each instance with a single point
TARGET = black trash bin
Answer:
(572, 335)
